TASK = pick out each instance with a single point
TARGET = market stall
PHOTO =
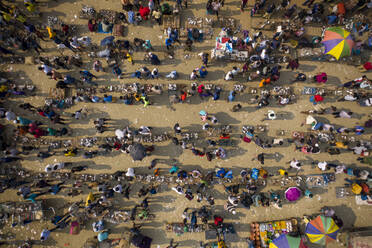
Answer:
(263, 233)
(181, 228)
(203, 25)
(320, 180)
(227, 48)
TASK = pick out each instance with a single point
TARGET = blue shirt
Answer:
(168, 42)
(95, 99)
(107, 99)
(231, 96)
(116, 70)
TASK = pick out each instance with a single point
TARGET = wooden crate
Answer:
(56, 93)
(172, 21)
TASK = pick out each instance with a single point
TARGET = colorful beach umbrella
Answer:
(322, 230)
(338, 42)
(286, 241)
(292, 194)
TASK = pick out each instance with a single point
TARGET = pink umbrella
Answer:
(292, 194)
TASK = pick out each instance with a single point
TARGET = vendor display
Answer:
(320, 181)
(264, 233)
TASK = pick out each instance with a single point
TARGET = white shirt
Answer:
(368, 102)
(295, 164)
(10, 116)
(154, 72)
(229, 76)
(235, 72)
(130, 172)
(322, 165)
(344, 114)
(46, 69)
(85, 40)
(118, 188)
(350, 98)
(327, 127)
(193, 75)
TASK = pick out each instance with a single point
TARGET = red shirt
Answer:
(144, 12)
(368, 66)
(183, 96)
(318, 98)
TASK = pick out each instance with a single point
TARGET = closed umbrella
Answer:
(322, 230)
(108, 40)
(286, 241)
(292, 194)
(337, 42)
(75, 228)
(138, 152)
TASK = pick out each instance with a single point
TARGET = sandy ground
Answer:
(167, 206)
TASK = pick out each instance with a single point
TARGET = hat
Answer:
(202, 112)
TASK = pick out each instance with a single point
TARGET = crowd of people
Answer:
(31, 125)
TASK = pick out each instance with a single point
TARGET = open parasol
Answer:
(292, 194)
(286, 241)
(337, 42)
(137, 151)
(322, 230)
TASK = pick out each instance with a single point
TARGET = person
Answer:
(171, 245)
(216, 5)
(321, 78)
(46, 69)
(116, 71)
(188, 44)
(283, 172)
(231, 96)
(367, 66)
(269, 11)
(193, 75)
(293, 64)
(300, 77)
(229, 76)
(45, 233)
(156, 14)
(203, 71)
(204, 58)
(342, 114)
(243, 4)
(294, 163)
(308, 194)
(144, 12)
(147, 45)
(154, 59)
(168, 43)
(236, 108)
(97, 66)
(92, 25)
(172, 75)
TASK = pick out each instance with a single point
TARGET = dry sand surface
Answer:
(167, 205)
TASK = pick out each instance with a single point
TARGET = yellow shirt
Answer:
(51, 33)
(156, 14)
(282, 172)
(341, 145)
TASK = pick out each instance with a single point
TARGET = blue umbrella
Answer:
(108, 40)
